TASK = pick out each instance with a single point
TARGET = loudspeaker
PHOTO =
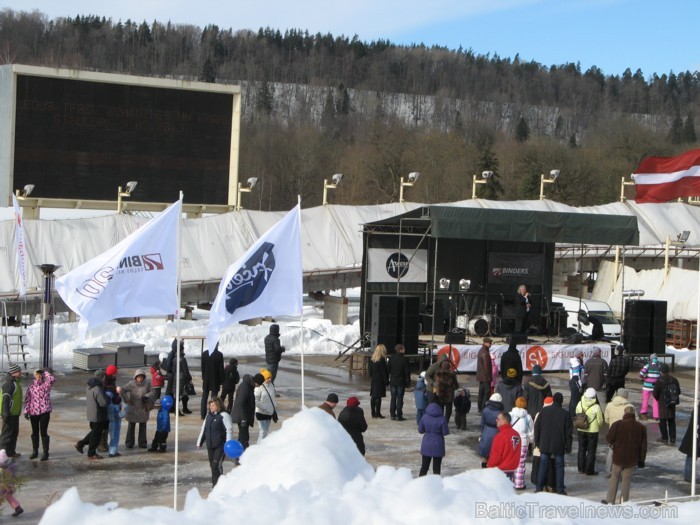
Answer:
(385, 321)
(518, 339)
(409, 323)
(645, 327)
(455, 338)
(395, 319)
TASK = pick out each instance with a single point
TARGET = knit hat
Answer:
(353, 402)
(266, 373)
(422, 374)
(512, 373)
(573, 362)
(111, 370)
(258, 379)
(14, 368)
(537, 370)
(557, 398)
(622, 392)
(496, 397)
(653, 357)
(521, 402)
(4, 460)
(589, 393)
(332, 398)
(162, 356)
(548, 401)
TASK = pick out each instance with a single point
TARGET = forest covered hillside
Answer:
(316, 104)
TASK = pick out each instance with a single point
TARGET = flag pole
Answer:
(301, 314)
(177, 353)
(694, 428)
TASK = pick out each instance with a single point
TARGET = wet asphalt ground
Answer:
(139, 478)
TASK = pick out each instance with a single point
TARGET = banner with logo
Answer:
(266, 280)
(549, 357)
(137, 277)
(516, 268)
(20, 247)
(388, 265)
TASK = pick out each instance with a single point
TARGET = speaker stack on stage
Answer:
(395, 319)
(645, 327)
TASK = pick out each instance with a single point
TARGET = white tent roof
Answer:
(331, 235)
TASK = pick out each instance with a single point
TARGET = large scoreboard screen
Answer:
(78, 139)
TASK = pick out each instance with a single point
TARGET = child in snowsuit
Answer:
(115, 413)
(159, 443)
(157, 376)
(462, 405)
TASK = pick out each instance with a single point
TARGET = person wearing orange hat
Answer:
(352, 417)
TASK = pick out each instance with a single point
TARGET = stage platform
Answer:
(551, 355)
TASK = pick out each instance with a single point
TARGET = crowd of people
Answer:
(519, 417)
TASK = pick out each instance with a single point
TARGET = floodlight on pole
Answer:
(412, 179)
(250, 184)
(125, 192)
(333, 185)
(485, 176)
(551, 178)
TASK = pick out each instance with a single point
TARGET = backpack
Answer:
(671, 394)
(581, 419)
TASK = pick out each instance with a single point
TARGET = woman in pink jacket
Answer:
(37, 408)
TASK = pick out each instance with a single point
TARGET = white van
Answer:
(596, 309)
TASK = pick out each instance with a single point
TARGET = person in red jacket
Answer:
(505, 450)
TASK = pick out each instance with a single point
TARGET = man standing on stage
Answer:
(524, 305)
(483, 372)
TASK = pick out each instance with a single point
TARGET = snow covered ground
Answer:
(310, 472)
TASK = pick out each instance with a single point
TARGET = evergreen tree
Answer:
(675, 134)
(266, 97)
(343, 104)
(488, 161)
(572, 141)
(689, 135)
(207, 74)
(530, 186)
(522, 130)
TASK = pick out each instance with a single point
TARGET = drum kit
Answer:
(479, 325)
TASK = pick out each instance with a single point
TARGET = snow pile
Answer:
(310, 472)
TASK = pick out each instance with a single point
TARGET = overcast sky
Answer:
(611, 34)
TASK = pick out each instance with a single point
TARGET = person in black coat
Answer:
(185, 376)
(352, 417)
(687, 447)
(273, 350)
(667, 414)
(399, 380)
(244, 407)
(553, 436)
(379, 373)
(522, 300)
(511, 359)
(216, 431)
(231, 379)
(212, 376)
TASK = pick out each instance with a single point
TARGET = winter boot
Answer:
(103, 446)
(163, 447)
(185, 410)
(45, 440)
(35, 446)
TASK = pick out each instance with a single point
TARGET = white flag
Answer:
(21, 248)
(266, 280)
(137, 277)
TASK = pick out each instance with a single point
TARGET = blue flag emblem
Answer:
(249, 282)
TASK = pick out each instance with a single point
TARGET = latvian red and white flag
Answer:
(661, 179)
